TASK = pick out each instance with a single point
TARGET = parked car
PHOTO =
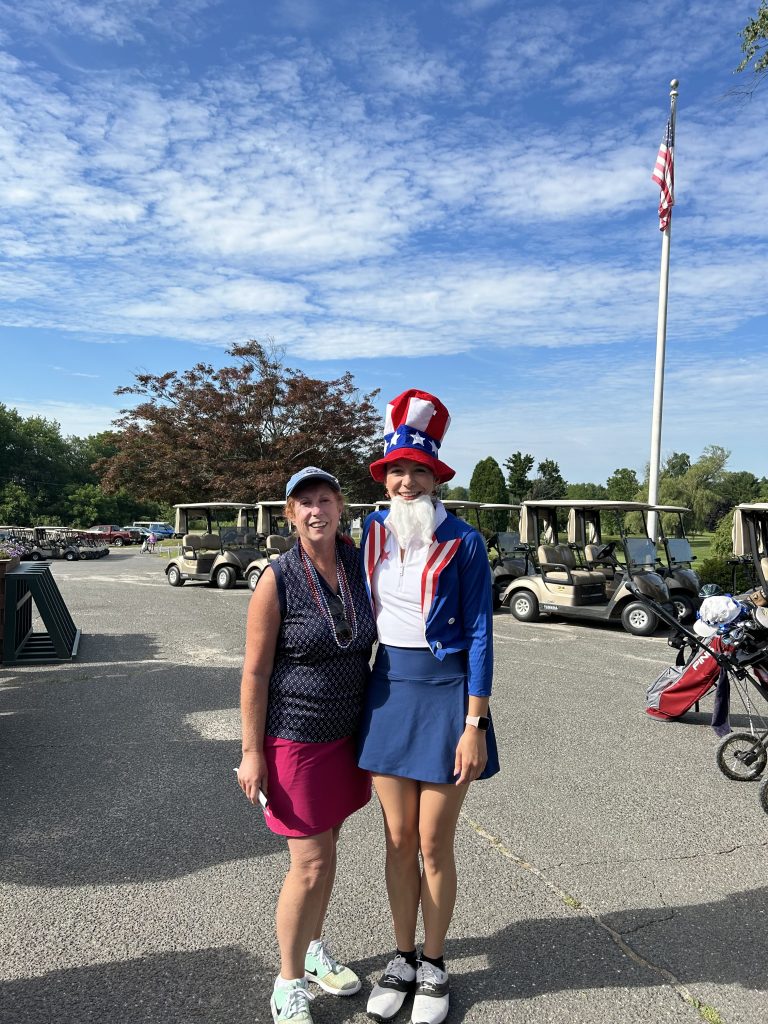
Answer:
(138, 533)
(160, 530)
(113, 535)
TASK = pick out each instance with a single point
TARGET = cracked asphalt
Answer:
(609, 874)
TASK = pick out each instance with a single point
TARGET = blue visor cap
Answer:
(306, 475)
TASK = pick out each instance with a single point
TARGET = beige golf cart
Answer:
(578, 576)
(226, 542)
(750, 541)
(509, 558)
(676, 562)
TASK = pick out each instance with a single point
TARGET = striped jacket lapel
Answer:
(440, 555)
(374, 546)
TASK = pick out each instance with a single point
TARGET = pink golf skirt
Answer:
(312, 787)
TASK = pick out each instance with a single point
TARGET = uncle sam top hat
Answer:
(414, 429)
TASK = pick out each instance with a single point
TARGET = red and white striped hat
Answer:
(414, 428)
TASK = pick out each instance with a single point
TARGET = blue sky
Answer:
(453, 195)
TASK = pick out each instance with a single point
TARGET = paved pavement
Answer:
(609, 874)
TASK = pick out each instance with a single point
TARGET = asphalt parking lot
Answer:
(609, 874)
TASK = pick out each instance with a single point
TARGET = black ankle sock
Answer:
(410, 958)
(437, 961)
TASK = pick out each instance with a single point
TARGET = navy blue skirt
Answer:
(413, 716)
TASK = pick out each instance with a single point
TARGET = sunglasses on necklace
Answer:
(341, 625)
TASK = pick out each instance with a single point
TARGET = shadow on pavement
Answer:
(122, 772)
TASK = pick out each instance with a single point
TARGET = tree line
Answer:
(704, 486)
(236, 433)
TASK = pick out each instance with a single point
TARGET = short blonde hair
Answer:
(290, 503)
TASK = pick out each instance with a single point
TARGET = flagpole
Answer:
(661, 343)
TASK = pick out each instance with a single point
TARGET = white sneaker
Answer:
(430, 1004)
(389, 992)
(291, 1003)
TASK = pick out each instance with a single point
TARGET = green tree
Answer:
(754, 42)
(698, 488)
(238, 432)
(487, 484)
(518, 466)
(455, 493)
(17, 507)
(676, 464)
(622, 485)
(586, 491)
(549, 483)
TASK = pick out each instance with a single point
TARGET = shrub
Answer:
(717, 570)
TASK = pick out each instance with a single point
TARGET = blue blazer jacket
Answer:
(456, 597)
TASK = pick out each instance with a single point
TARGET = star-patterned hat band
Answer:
(414, 429)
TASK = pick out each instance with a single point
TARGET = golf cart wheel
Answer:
(638, 620)
(741, 757)
(524, 606)
(225, 578)
(764, 796)
(71, 556)
(36, 556)
(253, 578)
(174, 576)
(118, 542)
(684, 607)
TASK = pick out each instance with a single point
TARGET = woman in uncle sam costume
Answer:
(426, 731)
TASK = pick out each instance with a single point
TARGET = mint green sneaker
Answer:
(291, 1003)
(321, 967)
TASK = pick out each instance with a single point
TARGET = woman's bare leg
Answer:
(399, 799)
(439, 808)
(303, 898)
(330, 879)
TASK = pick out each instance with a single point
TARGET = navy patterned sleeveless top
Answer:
(316, 688)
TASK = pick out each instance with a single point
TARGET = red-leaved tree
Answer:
(238, 433)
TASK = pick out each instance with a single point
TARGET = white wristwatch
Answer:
(479, 721)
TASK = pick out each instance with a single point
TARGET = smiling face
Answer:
(408, 480)
(315, 511)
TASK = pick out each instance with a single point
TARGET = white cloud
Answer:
(74, 418)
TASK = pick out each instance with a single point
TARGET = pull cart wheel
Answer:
(741, 756)
(764, 796)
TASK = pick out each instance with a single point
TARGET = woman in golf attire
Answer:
(308, 642)
(426, 732)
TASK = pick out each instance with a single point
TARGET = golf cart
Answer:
(581, 578)
(676, 566)
(224, 542)
(509, 558)
(750, 542)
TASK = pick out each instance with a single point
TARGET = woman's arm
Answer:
(261, 636)
(477, 614)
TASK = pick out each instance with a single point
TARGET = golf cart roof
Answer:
(223, 504)
(758, 506)
(590, 503)
(497, 504)
(668, 508)
(457, 503)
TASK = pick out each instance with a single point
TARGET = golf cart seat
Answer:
(210, 542)
(277, 545)
(558, 565)
(190, 545)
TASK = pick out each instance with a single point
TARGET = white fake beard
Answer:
(412, 520)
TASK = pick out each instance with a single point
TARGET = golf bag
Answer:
(681, 686)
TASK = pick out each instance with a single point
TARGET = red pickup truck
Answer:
(113, 535)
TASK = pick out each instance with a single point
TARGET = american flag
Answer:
(664, 176)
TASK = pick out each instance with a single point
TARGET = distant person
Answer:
(151, 541)
(426, 731)
(308, 643)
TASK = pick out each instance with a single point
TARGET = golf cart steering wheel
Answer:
(605, 550)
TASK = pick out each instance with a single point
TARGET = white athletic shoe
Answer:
(430, 1004)
(389, 992)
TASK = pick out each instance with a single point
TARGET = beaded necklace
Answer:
(318, 593)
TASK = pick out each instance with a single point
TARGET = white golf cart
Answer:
(580, 576)
(226, 542)
(750, 542)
